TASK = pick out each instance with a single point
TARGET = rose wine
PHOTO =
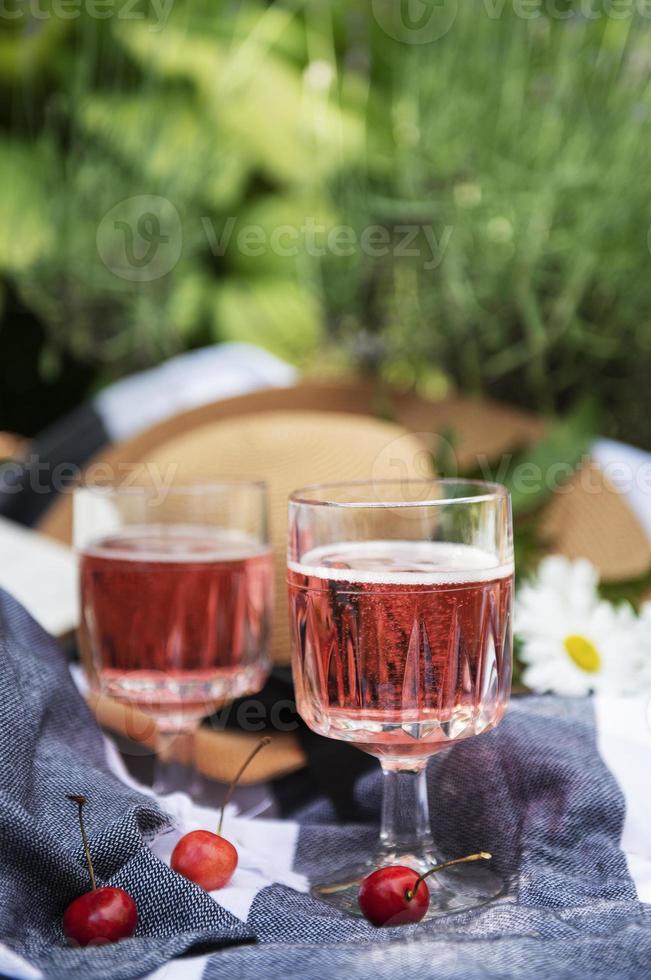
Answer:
(401, 646)
(176, 618)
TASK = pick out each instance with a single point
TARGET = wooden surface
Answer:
(12, 446)
(216, 754)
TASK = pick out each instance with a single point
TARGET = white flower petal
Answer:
(563, 601)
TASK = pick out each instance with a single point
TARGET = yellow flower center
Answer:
(583, 653)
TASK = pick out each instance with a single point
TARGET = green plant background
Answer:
(522, 143)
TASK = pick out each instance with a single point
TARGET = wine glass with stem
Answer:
(176, 591)
(400, 598)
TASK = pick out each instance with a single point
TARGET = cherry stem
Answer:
(81, 801)
(482, 856)
(231, 789)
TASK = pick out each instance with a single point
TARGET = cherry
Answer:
(207, 859)
(398, 896)
(102, 915)
(393, 896)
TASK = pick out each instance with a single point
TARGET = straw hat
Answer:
(591, 520)
(480, 427)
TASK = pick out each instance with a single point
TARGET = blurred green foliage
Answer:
(469, 212)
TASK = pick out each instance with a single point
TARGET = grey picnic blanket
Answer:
(535, 791)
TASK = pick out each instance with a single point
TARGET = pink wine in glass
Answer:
(176, 618)
(401, 646)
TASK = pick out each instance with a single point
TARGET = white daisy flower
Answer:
(573, 642)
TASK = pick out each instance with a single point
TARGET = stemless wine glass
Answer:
(176, 597)
(400, 607)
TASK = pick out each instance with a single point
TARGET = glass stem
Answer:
(405, 827)
(174, 763)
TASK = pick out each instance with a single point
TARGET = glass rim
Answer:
(490, 492)
(181, 489)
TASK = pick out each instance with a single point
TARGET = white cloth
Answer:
(41, 574)
(187, 381)
(265, 849)
(629, 470)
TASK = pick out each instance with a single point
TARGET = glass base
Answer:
(178, 700)
(456, 889)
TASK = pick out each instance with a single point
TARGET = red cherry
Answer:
(393, 896)
(101, 916)
(398, 896)
(205, 858)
